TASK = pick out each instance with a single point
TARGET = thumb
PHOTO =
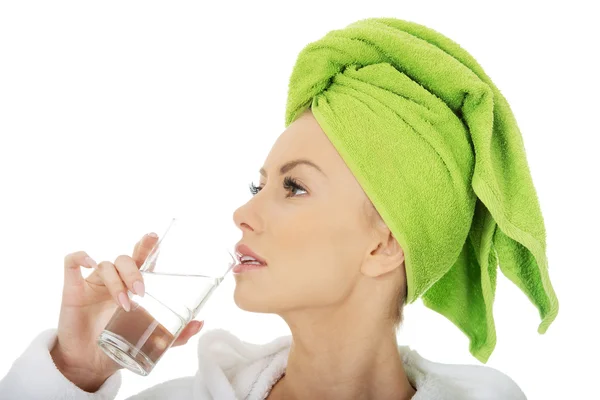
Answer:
(195, 326)
(192, 328)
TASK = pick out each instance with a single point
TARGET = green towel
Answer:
(437, 150)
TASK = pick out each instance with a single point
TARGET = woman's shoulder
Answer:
(230, 364)
(468, 381)
(229, 351)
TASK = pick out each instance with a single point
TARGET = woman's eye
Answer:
(254, 189)
(289, 184)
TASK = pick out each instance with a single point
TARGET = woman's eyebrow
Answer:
(291, 164)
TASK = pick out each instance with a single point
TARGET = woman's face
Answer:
(316, 238)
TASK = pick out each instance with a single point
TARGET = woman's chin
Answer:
(244, 300)
(251, 300)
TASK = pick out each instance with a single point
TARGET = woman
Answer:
(335, 264)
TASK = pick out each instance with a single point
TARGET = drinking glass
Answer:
(178, 282)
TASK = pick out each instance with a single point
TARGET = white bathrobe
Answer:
(232, 369)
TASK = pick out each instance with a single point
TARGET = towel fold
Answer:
(436, 148)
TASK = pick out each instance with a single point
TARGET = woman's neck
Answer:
(330, 359)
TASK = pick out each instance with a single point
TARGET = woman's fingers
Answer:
(112, 280)
(121, 276)
(72, 263)
(192, 328)
(140, 251)
(130, 274)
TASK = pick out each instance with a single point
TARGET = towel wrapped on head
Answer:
(436, 148)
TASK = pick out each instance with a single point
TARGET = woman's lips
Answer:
(239, 268)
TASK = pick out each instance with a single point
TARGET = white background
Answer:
(116, 116)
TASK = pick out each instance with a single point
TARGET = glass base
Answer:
(124, 353)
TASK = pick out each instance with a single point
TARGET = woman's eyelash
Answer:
(254, 189)
(289, 183)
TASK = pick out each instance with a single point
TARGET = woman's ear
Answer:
(387, 256)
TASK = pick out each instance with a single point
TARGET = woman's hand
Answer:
(87, 306)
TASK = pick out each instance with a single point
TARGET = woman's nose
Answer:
(242, 218)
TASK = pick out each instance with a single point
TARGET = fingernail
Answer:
(91, 262)
(138, 287)
(200, 326)
(124, 300)
(153, 235)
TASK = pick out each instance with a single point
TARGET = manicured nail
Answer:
(138, 287)
(153, 235)
(124, 300)
(91, 262)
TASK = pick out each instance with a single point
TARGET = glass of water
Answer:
(178, 282)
